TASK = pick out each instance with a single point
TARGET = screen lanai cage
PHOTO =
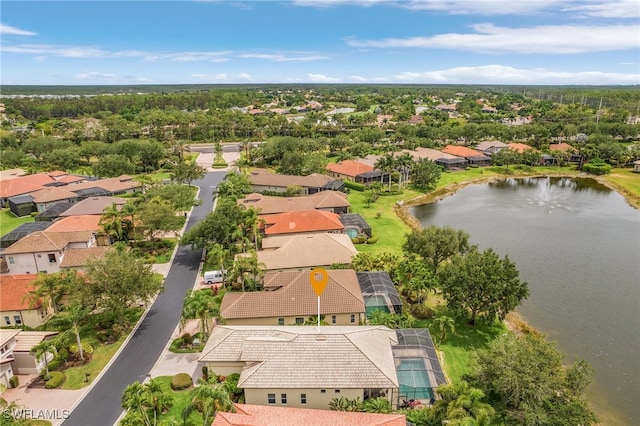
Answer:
(379, 293)
(417, 365)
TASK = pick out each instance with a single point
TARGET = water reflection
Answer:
(577, 244)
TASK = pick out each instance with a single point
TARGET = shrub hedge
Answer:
(56, 379)
(354, 185)
(14, 381)
(181, 381)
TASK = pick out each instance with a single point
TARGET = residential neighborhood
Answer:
(105, 300)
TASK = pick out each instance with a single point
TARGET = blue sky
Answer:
(320, 41)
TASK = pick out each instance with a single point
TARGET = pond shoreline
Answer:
(515, 322)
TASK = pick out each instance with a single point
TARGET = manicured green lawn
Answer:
(180, 401)
(102, 354)
(627, 182)
(9, 222)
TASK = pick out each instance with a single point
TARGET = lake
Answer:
(577, 243)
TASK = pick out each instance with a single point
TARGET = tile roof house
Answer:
(47, 197)
(570, 153)
(16, 308)
(19, 185)
(330, 201)
(7, 343)
(307, 251)
(490, 147)
(301, 222)
(77, 258)
(471, 155)
(289, 299)
(119, 185)
(44, 251)
(304, 368)
(76, 223)
(519, 147)
(348, 169)
(23, 361)
(262, 180)
(447, 161)
(93, 206)
(261, 415)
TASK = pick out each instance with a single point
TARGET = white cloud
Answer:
(467, 7)
(221, 76)
(500, 74)
(358, 78)
(320, 78)
(96, 76)
(244, 76)
(7, 29)
(553, 39)
(283, 58)
(609, 9)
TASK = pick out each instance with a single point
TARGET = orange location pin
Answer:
(319, 278)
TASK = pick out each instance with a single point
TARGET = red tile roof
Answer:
(76, 223)
(14, 290)
(519, 147)
(461, 151)
(301, 221)
(349, 168)
(562, 147)
(263, 415)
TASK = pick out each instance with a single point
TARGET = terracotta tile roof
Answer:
(41, 241)
(461, 151)
(17, 185)
(562, 147)
(55, 193)
(297, 357)
(93, 206)
(76, 223)
(301, 221)
(264, 415)
(519, 147)
(305, 250)
(14, 290)
(78, 257)
(11, 173)
(262, 177)
(271, 205)
(349, 168)
(296, 297)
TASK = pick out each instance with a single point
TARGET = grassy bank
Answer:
(9, 222)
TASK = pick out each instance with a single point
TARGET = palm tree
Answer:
(207, 400)
(386, 163)
(40, 351)
(133, 398)
(53, 287)
(404, 162)
(377, 405)
(462, 404)
(245, 267)
(345, 404)
(444, 323)
(219, 256)
(198, 304)
(115, 223)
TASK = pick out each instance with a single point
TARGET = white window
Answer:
(333, 319)
(11, 260)
(280, 321)
(353, 318)
(17, 319)
(299, 321)
(283, 398)
(7, 320)
(303, 398)
(52, 258)
(271, 398)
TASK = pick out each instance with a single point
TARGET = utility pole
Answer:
(598, 113)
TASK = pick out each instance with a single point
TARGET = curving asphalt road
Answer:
(101, 405)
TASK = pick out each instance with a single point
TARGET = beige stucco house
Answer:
(44, 251)
(15, 356)
(289, 299)
(16, 306)
(305, 251)
(329, 201)
(263, 180)
(296, 366)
